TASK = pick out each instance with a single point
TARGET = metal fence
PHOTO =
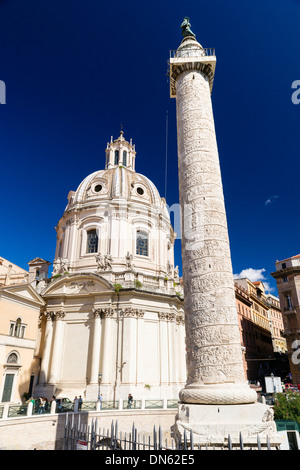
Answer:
(19, 410)
(79, 436)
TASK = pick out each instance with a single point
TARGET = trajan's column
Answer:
(216, 400)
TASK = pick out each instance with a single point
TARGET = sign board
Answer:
(81, 445)
(273, 385)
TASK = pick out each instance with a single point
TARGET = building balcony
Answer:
(290, 310)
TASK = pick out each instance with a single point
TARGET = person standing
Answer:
(79, 403)
(130, 400)
(75, 404)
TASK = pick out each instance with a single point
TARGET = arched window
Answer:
(141, 243)
(12, 358)
(17, 328)
(92, 241)
(124, 158)
(116, 157)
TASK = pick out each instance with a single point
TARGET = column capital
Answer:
(132, 312)
(169, 316)
(103, 312)
(55, 314)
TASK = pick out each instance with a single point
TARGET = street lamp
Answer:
(99, 383)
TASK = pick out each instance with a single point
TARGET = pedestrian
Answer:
(59, 405)
(47, 405)
(75, 404)
(101, 400)
(42, 405)
(79, 403)
(130, 400)
(37, 405)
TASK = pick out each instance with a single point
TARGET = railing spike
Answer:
(191, 440)
(159, 438)
(116, 435)
(184, 440)
(241, 442)
(112, 435)
(258, 442)
(229, 442)
(154, 438)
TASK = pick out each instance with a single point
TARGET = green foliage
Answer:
(117, 287)
(56, 276)
(138, 284)
(287, 406)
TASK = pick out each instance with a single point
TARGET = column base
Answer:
(218, 394)
(212, 424)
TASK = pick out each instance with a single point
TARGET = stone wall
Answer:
(46, 432)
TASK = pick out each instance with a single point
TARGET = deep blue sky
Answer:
(75, 70)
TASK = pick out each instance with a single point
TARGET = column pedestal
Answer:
(212, 424)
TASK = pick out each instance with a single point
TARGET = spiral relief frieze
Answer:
(213, 347)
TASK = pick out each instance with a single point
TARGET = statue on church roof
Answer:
(186, 28)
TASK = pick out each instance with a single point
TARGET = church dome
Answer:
(116, 213)
(118, 181)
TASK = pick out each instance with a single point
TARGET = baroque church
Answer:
(113, 315)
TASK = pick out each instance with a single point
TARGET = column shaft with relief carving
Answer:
(214, 355)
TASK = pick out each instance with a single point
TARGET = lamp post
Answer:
(99, 383)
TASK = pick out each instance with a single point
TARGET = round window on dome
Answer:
(140, 191)
(98, 188)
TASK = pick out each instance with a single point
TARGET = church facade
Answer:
(113, 319)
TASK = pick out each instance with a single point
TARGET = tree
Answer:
(287, 406)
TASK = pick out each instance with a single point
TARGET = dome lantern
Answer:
(119, 152)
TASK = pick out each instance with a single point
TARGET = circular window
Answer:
(140, 191)
(98, 188)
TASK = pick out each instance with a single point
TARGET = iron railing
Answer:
(174, 54)
(154, 404)
(79, 436)
(20, 410)
(135, 405)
